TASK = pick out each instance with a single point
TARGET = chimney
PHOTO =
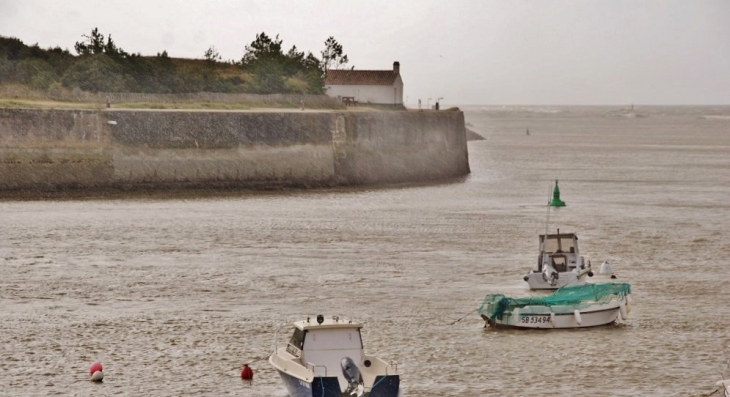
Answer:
(396, 67)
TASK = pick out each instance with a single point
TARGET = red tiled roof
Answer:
(360, 77)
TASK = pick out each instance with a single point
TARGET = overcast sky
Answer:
(544, 52)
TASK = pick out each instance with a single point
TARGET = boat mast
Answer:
(547, 220)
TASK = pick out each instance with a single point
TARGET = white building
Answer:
(384, 87)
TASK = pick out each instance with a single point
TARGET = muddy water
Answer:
(174, 294)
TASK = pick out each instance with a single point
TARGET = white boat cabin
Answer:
(559, 263)
(561, 252)
(321, 346)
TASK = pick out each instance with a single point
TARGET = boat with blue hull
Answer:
(326, 359)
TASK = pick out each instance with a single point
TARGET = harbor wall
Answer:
(47, 149)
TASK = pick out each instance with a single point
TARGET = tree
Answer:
(103, 66)
(94, 44)
(59, 59)
(12, 48)
(211, 55)
(332, 55)
(113, 51)
(294, 61)
(266, 62)
(312, 74)
(263, 50)
(208, 72)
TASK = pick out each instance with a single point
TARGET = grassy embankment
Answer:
(14, 94)
(24, 96)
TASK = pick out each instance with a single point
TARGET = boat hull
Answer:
(541, 317)
(319, 387)
(384, 386)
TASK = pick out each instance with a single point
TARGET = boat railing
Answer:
(584, 271)
(392, 365)
(313, 367)
(276, 339)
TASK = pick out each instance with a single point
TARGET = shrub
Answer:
(95, 73)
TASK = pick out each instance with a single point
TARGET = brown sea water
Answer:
(174, 294)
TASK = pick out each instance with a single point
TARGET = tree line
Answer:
(100, 65)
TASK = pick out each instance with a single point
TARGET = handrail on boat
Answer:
(391, 364)
(314, 366)
(276, 339)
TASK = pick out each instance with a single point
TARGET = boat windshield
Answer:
(561, 244)
(297, 340)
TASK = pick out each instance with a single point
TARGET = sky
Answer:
(468, 52)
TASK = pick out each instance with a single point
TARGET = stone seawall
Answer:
(45, 149)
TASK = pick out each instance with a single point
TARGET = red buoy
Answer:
(247, 373)
(95, 367)
(96, 372)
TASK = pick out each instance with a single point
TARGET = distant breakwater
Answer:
(52, 150)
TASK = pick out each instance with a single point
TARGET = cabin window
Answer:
(566, 244)
(559, 245)
(297, 339)
(332, 339)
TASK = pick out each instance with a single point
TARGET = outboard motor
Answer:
(352, 374)
(550, 274)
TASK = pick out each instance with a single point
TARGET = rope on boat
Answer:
(376, 383)
(465, 316)
(707, 395)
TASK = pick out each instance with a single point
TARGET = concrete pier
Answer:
(47, 149)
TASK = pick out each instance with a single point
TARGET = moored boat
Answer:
(559, 263)
(326, 359)
(573, 306)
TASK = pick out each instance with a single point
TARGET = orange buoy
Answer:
(247, 373)
(96, 372)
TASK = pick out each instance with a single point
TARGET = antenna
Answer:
(547, 218)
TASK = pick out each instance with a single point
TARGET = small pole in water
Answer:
(528, 131)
